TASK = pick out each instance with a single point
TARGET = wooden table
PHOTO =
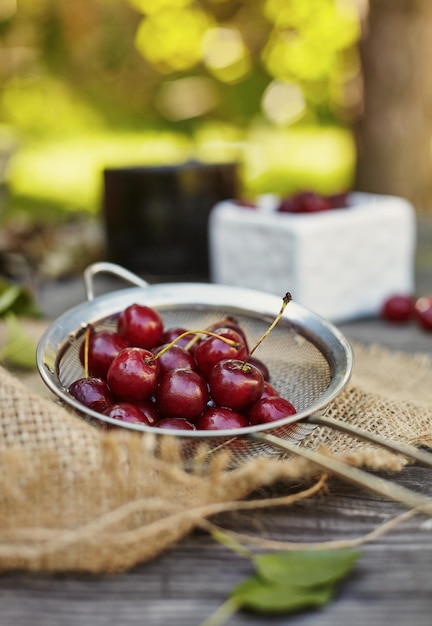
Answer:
(390, 586)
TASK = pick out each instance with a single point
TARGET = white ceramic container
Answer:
(340, 263)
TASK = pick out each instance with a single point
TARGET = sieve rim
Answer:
(322, 333)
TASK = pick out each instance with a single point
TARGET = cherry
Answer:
(140, 325)
(232, 323)
(398, 308)
(270, 409)
(172, 356)
(175, 423)
(288, 205)
(235, 384)
(261, 366)
(133, 374)
(181, 393)
(127, 412)
(221, 418)
(97, 353)
(423, 312)
(311, 202)
(170, 334)
(149, 410)
(93, 393)
(305, 202)
(212, 349)
(338, 200)
(268, 390)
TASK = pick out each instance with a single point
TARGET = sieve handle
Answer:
(103, 267)
(356, 476)
(421, 456)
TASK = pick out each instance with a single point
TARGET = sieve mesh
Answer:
(298, 369)
(308, 359)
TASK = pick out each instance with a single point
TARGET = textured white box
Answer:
(340, 263)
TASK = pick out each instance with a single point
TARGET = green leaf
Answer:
(269, 597)
(19, 349)
(17, 299)
(306, 568)
(8, 296)
(285, 582)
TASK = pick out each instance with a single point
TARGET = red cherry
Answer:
(221, 418)
(211, 350)
(398, 308)
(149, 410)
(174, 357)
(305, 202)
(127, 412)
(289, 205)
(133, 374)
(423, 312)
(338, 200)
(102, 347)
(140, 326)
(311, 202)
(175, 423)
(230, 322)
(170, 334)
(235, 384)
(93, 393)
(270, 409)
(181, 393)
(268, 390)
(252, 360)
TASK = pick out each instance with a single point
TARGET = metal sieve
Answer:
(309, 359)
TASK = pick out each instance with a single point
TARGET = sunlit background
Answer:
(272, 84)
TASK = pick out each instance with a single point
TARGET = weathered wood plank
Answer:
(392, 583)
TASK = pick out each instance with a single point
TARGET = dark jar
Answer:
(156, 218)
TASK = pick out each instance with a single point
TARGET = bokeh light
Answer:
(215, 79)
(283, 103)
(186, 98)
(8, 8)
(171, 40)
(225, 54)
(148, 7)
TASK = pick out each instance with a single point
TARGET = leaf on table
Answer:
(286, 582)
(277, 597)
(19, 349)
(306, 568)
(17, 299)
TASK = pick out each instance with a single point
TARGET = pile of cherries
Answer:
(176, 378)
(312, 202)
(306, 202)
(403, 309)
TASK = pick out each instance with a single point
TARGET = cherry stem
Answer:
(214, 325)
(196, 333)
(286, 299)
(192, 342)
(88, 331)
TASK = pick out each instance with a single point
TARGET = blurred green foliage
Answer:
(270, 83)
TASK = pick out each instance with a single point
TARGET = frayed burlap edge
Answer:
(73, 498)
(127, 509)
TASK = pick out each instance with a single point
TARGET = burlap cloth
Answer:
(74, 498)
